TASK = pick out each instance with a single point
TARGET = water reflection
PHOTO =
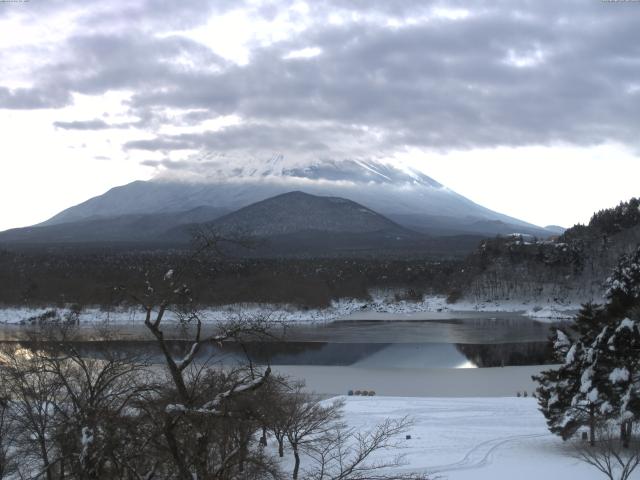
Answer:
(362, 355)
(472, 341)
(468, 330)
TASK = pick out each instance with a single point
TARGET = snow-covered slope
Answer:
(405, 196)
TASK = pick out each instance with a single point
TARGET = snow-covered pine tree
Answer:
(572, 396)
(558, 388)
(589, 322)
(623, 286)
(593, 393)
(623, 390)
(551, 396)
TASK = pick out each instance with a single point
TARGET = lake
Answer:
(450, 355)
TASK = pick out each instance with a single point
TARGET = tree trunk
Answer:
(175, 372)
(172, 443)
(45, 460)
(243, 454)
(280, 447)
(592, 425)
(626, 430)
(296, 467)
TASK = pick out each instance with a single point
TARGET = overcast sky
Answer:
(530, 108)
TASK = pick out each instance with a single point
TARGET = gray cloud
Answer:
(436, 84)
(33, 98)
(165, 163)
(83, 125)
(447, 85)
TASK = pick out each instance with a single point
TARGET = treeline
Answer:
(63, 277)
(572, 266)
(607, 222)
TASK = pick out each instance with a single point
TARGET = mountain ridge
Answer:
(409, 198)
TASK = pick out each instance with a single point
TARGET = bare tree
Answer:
(74, 409)
(348, 454)
(609, 455)
(206, 425)
(307, 421)
(273, 410)
(33, 395)
(97, 392)
(7, 435)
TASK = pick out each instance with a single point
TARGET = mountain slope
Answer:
(297, 223)
(123, 228)
(291, 224)
(295, 212)
(407, 197)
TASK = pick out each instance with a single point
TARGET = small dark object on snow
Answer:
(350, 393)
(408, 437)
(357, 392)
(371, 393)
(518, 394)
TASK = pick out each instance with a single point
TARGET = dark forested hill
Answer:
(573, 265)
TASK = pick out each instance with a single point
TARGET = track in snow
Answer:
(480, 455)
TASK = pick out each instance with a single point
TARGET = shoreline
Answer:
(379, 308)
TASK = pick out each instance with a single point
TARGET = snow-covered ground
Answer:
(382, 306)
(473, 438)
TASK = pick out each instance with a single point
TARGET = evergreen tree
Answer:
(591, 397)
(623, 286)
(623, 391)
(599, 380)
(589, 322)
(559, 391)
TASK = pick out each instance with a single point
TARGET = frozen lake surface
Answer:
(416, 382)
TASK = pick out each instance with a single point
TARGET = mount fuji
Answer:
(142, 210)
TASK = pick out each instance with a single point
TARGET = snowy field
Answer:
(474, 438)
(381, 307)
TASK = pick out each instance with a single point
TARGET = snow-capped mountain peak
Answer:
(212, 168)
(407, 197)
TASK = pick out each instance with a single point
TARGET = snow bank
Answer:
(382, 303)
(552, 313)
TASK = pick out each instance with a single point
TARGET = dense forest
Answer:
(62, 277)
(573, 266)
